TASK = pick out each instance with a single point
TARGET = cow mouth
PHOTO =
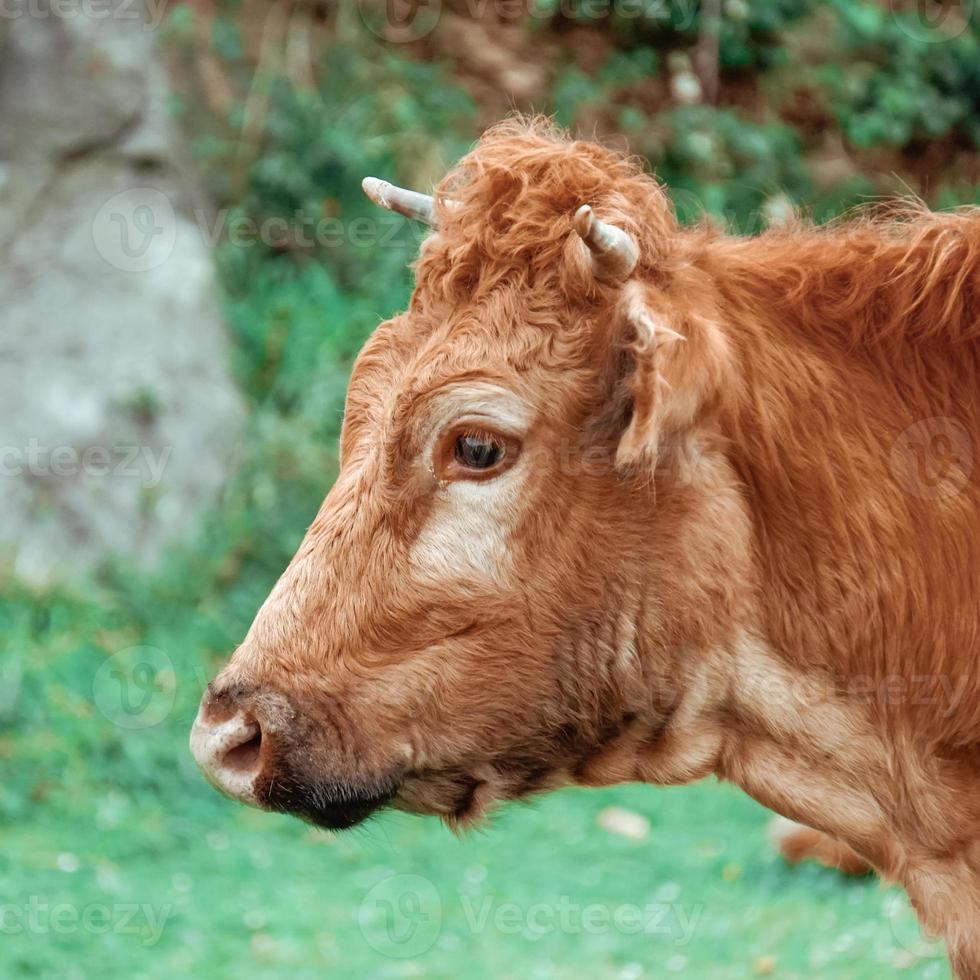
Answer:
(329, 805)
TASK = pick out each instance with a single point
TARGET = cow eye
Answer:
(473, 453)
(478, 451)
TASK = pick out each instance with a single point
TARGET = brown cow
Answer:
(623, 501)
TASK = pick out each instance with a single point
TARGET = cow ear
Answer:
(650, 341)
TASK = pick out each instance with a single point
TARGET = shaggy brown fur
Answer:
(753, 551)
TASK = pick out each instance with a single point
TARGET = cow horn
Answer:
(614, 252)
(421, 207)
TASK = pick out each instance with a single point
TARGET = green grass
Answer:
(131, 866)
(539, 894)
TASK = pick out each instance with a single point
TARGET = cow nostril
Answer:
(228, 749)
(245, 757)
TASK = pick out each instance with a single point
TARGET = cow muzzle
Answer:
(256, 747)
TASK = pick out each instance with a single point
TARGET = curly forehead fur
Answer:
(505, 214)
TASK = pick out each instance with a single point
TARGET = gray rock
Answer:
(118, 418)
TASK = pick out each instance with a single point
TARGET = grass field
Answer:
(201, 889)
(117, 861)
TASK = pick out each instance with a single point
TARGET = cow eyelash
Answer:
(474, 453)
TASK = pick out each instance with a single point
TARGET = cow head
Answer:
(530, 529)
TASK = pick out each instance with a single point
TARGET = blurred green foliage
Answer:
(889, 79)
(751, 33)
(900, 79)
(250, 892)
